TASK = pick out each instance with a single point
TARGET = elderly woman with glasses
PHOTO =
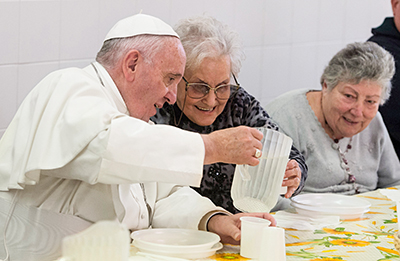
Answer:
(338, 129)
(209, 98)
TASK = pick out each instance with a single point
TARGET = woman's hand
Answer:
(228, 227)
(292, 178)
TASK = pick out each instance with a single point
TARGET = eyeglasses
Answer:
(200, 90)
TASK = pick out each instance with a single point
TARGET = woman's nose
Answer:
(357, 109)
(210, 98)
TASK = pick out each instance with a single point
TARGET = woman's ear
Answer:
(324, 87)
(129, 64)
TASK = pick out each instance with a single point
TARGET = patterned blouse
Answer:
(241, 109)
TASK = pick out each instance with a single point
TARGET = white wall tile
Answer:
(39, 31)
(179, 10)
(9, 28)
(331, 20)
(275, 71)
(157, 8)
(380, 11)
(8, 97)
(305, 21)
(112, 11)
(77, 41)
(249, 21)
(250, 74)
(223, 10)
(30, 75)
(358, 13)
(278, 22)
(75, 63)
(302, 67)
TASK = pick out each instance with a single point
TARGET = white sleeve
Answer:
(140, 152)
(184, 208)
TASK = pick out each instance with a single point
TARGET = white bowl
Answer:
(174, 239)
(196, 254)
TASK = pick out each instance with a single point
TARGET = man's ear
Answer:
(129, 64)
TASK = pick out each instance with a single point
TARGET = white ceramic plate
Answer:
(190, 255)
(174, 240)
(332, 201)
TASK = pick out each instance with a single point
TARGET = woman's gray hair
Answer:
(114, 50)
(365, 61)
(206, 37)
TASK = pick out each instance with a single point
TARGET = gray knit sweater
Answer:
(372, 159)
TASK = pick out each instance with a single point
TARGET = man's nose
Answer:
(170, 96)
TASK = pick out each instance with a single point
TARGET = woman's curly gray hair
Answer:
(365, 61)
(206, 37)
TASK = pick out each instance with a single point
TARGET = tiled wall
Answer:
(287, 42)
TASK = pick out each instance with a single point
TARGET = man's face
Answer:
(156, 83)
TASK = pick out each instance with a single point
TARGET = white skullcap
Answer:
(140, 24)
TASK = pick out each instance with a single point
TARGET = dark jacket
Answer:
(387, 36)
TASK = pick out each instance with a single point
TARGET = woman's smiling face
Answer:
(349, 108)
(214, 72)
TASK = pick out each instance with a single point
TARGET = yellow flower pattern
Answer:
(369, 237)
(228, 256)
(350, 242)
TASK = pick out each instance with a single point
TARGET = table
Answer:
(367, 238)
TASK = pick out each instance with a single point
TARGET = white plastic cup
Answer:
(272, 247)
(250, 241)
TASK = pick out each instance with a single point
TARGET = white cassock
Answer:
(75, 157)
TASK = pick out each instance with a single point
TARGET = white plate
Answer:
(174, 239)
(190, 255)
(329, 200)
(336, 211)
(311, 213)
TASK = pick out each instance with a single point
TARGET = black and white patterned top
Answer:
(241, 109)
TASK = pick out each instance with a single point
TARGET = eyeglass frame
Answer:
(237, 86)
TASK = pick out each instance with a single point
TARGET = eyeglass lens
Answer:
(201, 90)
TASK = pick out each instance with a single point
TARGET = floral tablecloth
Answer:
(367, 238)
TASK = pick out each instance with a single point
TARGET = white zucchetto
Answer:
(140, 24)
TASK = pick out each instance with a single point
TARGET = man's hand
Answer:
(233, 145)
(228, 227)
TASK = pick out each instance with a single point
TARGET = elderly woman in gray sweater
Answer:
(338, 129)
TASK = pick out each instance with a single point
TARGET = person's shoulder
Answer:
(377, 122)
(375, 131)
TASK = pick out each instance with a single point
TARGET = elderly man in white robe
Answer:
(81, 149)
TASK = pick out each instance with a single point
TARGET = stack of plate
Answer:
(183, 243)
(318, 204)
